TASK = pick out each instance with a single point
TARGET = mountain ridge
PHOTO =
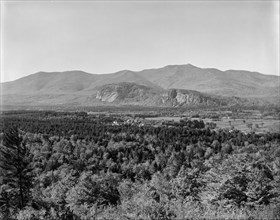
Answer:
(137, 71)
(80, 86)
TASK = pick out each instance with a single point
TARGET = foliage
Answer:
(16, 176)
(62, 167)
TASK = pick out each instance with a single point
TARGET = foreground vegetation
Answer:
(75, 166)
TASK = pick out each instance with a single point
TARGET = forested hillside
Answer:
(56, 165)
(150, 87)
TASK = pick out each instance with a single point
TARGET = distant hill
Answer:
(173, 85)
(132, 93)
(227, 83)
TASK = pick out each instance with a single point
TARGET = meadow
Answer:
(244, 125)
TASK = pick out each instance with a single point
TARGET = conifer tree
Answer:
(16, 179)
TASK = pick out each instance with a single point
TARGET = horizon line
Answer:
(136, 71)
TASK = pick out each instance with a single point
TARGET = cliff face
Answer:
(180, 97)
(126, 93)
(106, 96)
(138, 94)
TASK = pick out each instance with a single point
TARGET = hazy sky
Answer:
(105, 37)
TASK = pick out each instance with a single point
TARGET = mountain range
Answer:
(172, 85)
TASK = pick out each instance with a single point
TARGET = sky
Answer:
(108, 36)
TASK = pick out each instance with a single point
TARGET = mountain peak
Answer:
(181, 66)
(190, 65)
(186, 76)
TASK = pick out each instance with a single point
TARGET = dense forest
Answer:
(57, 165)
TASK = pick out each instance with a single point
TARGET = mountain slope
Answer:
(135, 94)
(147, 87)
(210, 80)
(50, 83)
(69, 82)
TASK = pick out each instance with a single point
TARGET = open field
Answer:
(258, 125)
(165, 118)
(244, 125)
